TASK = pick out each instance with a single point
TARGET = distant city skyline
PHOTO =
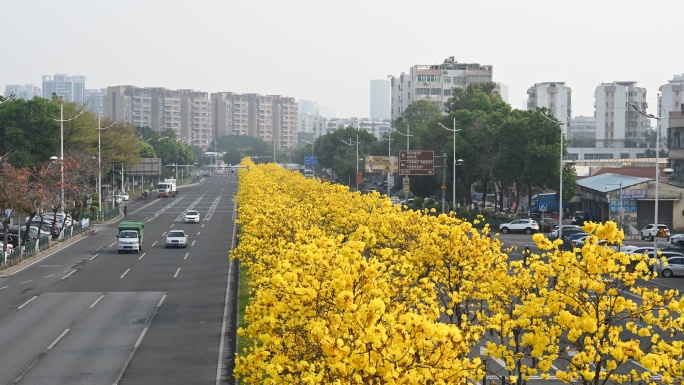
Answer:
(298, 49)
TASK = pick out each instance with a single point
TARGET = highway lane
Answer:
(87, 315)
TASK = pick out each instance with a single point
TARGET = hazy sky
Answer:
(329, 51)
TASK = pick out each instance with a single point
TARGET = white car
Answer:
(677, 240)
(124, 197)
(528, 226)
(191, 216)
(650, 231)
(176, 238)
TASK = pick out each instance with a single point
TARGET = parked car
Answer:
(124, 196)
(49, 217)
(45, 227)
(192, 216)
(650, 231)
(12, 240)
(577, 239)
(567, 230)
(33, 232)
(176, 238)
(528, 226)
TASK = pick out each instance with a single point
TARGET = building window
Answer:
(429, 78)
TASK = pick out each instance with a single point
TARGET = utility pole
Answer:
(444, 157)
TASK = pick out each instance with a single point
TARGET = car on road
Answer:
(124, 196)
(191, 216)
(674, 266)
(527, 226)
(650, 231)
(566, 229)
(176, 238)
(677, 240)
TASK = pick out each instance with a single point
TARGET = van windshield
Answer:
(128, 234)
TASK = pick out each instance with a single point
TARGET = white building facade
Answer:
(69, 88)
(26, 91)
(434, 83)
(617, 124)
(380, 99)
(555, 96)
(671, 98)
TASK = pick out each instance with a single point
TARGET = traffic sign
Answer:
(661, 233)
(542, 207)
(359, 177)
(416, 162)
(390, 180)
(310, 160)
(381, 164)
(407, 185)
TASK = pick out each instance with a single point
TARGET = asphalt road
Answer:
(87, 315)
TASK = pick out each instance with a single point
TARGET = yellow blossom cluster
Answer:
(349, 289)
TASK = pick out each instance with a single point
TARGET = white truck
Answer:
(167, 188)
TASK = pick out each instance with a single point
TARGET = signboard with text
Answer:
(628, 206)
(634, 193)
(416, 162)
(381, 164)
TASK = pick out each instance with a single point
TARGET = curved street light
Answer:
(99, 166)
(453, 187)
(61, 121)
(560, 190)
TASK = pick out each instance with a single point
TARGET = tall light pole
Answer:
(657, 173)
(453, 186)
(61, 121)
(313, 165)
(407, 135)
(99, 166)
(357, 157)
(560, 190)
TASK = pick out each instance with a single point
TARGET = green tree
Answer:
(28, 130)
(337, 150)
(413, 121)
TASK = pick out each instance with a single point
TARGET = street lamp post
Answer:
(61, 121)
(560, 190)
(99, 166)
(313, 165)
(357, 156)
(453, 186)
(657, 173)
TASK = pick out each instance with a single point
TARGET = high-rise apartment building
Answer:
(69, 88)
(671, 99)
(26, 92)
(230, 114)
(555, 96)
(380, 100)
(435, 83)
(196, 118)
(129, 104)
(166, 111)
(268, 117)
(618, 125)
(96, 100)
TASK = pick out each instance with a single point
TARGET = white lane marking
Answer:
(161, 301)
(125, 272)
(48, 276)
(96, 301)
(94, 256)
(26, 282)
(52, 345)
(193, 243)
(173, 224)
(141, 257)
(202, 225)
(199, 232)
(137, 343)
(177, 271)
(222, 342)
(71, 272)
(155, 242)
(113, 244)
(27, 302)
(4, 287)
(186, 255)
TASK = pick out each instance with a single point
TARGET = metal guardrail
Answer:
(31, 248)
(43, 243)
